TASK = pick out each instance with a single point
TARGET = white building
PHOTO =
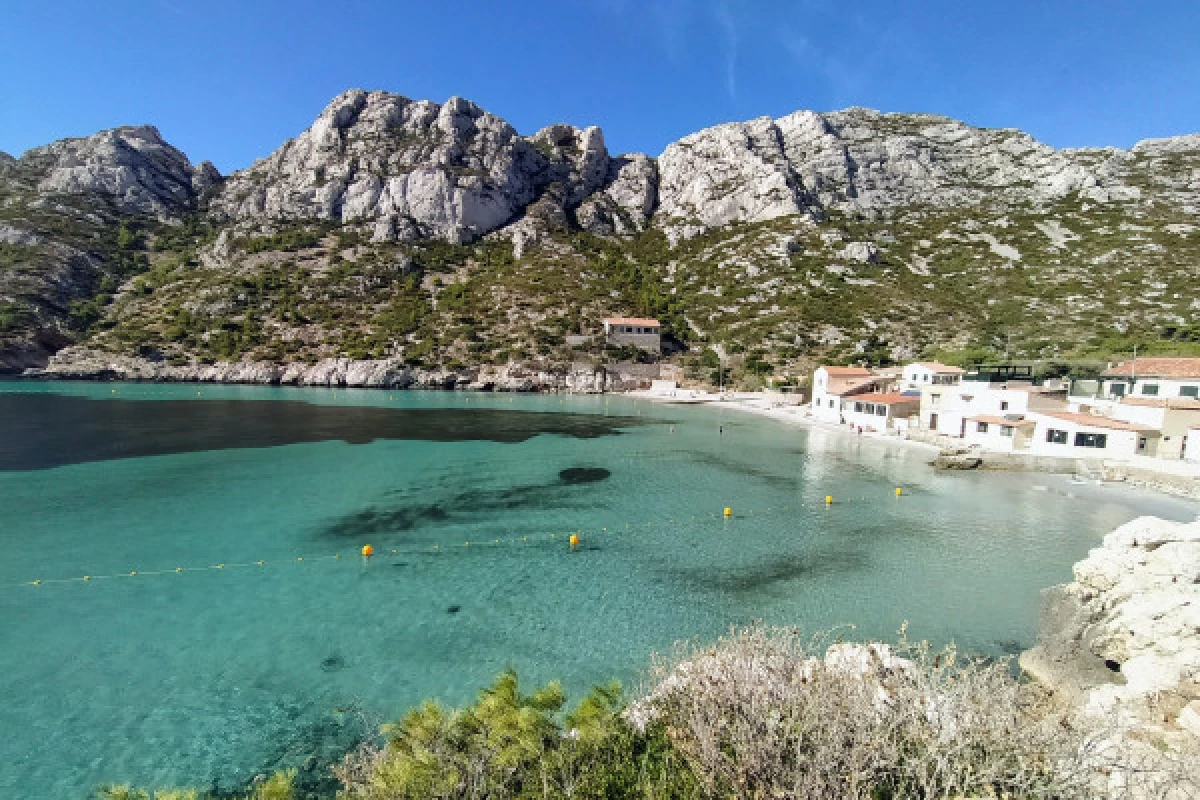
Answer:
(831, 384)
(1067, 433)
(1003, 434)
(642, 333)
(945, 409)
(879, 411)
(1191, 446)
(930, 373)
(1152, 377)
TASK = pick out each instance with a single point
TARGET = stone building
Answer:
(642, 333)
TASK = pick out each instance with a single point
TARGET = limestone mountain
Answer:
(61, 234)
(438, 235)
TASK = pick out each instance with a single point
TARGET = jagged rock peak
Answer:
(410, 168)
(1171, 144)
(133, 164)
(858, 159)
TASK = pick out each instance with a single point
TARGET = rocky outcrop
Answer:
(415, 169)
(134, 166)
(1123, 639)
(860, 160)
(81, 363)
(626, 202)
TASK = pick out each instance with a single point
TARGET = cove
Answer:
(210, 676)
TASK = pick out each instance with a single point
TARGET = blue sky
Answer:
(230, 81)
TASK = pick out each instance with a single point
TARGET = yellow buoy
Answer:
(368, 551)
(828, 499)
(899, 491)
(728, 511)
(574, 540)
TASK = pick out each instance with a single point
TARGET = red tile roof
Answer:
(847, 371)
(887, 398)
(633, 321)
(1156, 368)
(1093, 421)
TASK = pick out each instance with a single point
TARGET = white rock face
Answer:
(737, 172)
(1124, 638)
(134, 165)
(858, 160)
(627, 200)
(415, 169)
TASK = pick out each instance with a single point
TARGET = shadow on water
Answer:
(766, 576)
(404, 517)
(724, 463)
(41, 431)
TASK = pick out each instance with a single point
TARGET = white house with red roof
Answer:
(1072, 433)
(831, 384)
(641, 332)
(930, 373)
(879, 411)
(1152, 377)
(949, 409)
(994, 432)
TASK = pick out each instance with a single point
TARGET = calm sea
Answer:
(206, 667)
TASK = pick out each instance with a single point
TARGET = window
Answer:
(1150, 389)
(870, 408)
(858, 407)
(1056, 437)
(1189, 391)
(1091, 440)
(1004, 405)
(934, 399)
(1006, 430)
(881, 410)
(981, 427)
(926, 379)
(1117, 389)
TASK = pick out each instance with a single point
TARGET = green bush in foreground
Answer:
(280, 786)
(760, 714)
(511, 745)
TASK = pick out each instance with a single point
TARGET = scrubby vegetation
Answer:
(762, 713)
(280, 786)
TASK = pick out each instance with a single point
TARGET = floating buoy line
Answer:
(574, 540)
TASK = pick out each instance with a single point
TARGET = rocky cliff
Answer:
(438, 234)
(1123, 640)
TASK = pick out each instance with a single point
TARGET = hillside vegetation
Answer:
(438, 236)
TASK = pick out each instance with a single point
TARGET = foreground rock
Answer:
(1123, 640)
(80, 363)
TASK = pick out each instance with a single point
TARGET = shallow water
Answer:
(207, 676)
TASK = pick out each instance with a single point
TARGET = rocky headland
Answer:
(1122, 641)
(79, 363)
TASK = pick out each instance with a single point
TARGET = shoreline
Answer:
(1173, 478)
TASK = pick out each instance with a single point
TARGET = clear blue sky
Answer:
(230, 81)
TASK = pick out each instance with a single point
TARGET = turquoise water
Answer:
(208, 676)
